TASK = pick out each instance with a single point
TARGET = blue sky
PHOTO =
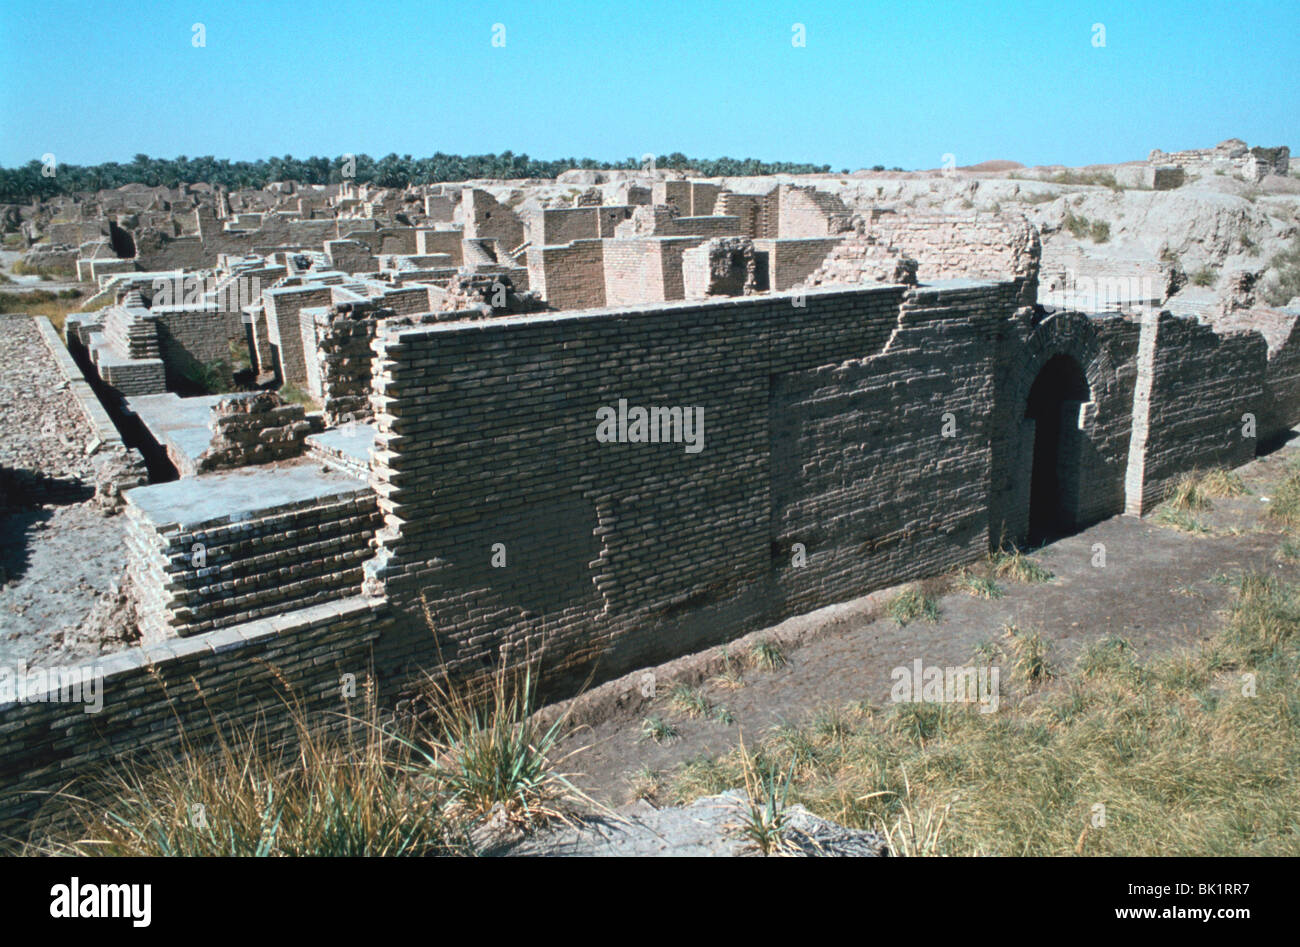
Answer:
(877, 83)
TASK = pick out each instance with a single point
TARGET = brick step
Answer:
(240, 609)
(175, 541)
(178, 579)
(268, 585)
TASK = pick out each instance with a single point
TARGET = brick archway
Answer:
(1052, 411)
(1068, 341)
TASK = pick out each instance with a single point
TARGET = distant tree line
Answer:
(35, 180)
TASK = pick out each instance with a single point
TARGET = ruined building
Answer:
(881, 392)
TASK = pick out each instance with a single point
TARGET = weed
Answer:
(1029, 655)
(912, 604)
(767, 654)
(1015, 565)
(690, 701)
(659, 730)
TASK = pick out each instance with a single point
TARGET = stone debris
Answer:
(44, 436)
(708, 828)
(1227, 157)
(256, 429)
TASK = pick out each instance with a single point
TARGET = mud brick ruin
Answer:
(1227, 157)
(881, 389)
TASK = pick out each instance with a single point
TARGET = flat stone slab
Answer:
(179, 425)
(232, 495)
(349, 444)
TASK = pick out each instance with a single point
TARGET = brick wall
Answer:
(158, 695)
(406, 300)
(790, 262)
(192, 338)
(1193, 388)
(1280, 410)
(624, 554)
(807, 212)
(558, 225)
(954, 246)
(282, 307)
(704, 197)
(351, 256)
(569, 277)
(441, 241)
(633, 272)
(488, 219)
(337, 347)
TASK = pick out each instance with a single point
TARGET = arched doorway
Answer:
(1052, 413)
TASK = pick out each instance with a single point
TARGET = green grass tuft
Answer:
(911, 605)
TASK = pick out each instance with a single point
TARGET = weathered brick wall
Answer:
(610, 216)
(569, 277)
(380, 240)
(441, 241)
(440, 207)
(1280, 410)
(406, 300)
(704, 197)
(630, 553)
(190, 339)
(864, 477)
(745, 208)
(351, 256)
(715, 225)
(676, 193)
(670, 260)
(488, 219)
(808, 212)
(633, 272)
(337, 346)
(156, 250)
(156, 696)
(1193, 389)
(558, 225)
(282, 307)
(790, 262)
(954, 246)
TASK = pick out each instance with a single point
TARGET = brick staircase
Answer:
(126, 351)
(274, 561)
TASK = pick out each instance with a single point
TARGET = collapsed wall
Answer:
(955, 246)
(1281, 331)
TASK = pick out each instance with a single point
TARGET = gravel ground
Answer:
(60, 556)
(709, 827)
(43, 431)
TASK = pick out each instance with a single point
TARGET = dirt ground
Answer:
(60, 557)
(1160, 588)
(62, 567)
